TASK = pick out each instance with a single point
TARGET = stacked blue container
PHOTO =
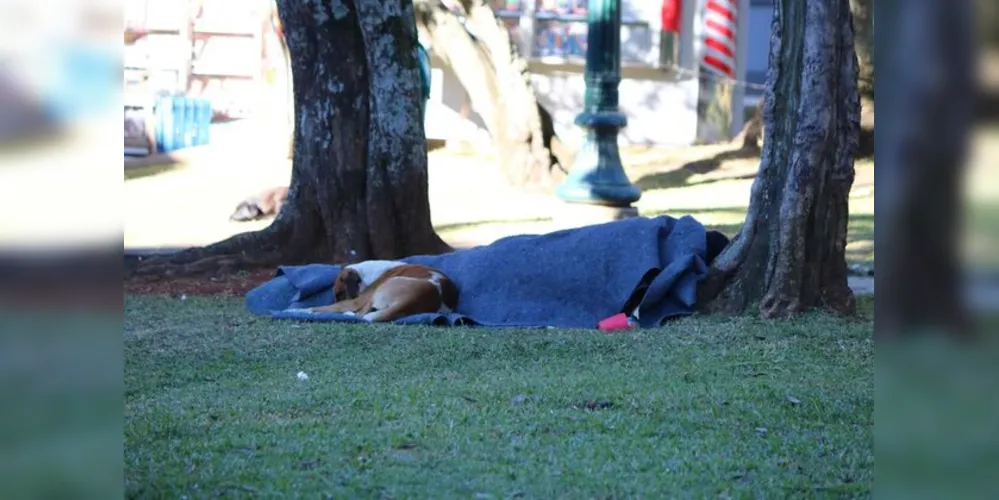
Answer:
(182, 122)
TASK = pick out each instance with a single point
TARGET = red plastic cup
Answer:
(615, 323)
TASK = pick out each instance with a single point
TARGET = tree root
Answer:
(244, 251)
(209, 264)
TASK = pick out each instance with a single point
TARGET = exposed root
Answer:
(244, 251)
(220, 264)
(781, 306)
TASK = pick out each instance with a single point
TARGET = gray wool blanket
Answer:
(571, 278)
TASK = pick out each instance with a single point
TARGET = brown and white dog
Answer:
(386, 290)
(264, 204)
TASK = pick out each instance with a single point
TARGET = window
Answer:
(557, 30)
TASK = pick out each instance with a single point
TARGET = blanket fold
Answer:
(571, 278)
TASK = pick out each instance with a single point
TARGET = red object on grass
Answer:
(614, 323)
(671, 14)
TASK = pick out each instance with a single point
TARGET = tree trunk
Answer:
(789, 256)
(359, 178)
(930, 112)
(478, 49)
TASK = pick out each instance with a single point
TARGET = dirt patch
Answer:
(225, 285)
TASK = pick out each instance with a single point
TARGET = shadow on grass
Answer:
(860, 234)
(728, 229)
(460, 226)
(132, 173)
(697, 212)
(679, 177)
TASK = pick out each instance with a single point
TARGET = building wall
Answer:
(661, 107)
(660, 110)
(647, 93)
(646, 96)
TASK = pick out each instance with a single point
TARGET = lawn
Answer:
(707, 406)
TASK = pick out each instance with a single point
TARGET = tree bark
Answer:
(789, 256)
(919, 174)
(478, 49)
(359, 177)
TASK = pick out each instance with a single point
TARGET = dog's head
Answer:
(449, 294)
(347, 285)
(246, 211)
(717, 242)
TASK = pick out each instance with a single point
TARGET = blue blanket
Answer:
(570, 278)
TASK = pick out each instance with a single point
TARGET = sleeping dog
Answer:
(261, 205)
(386, 290)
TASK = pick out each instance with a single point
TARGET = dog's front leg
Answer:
(345, 306)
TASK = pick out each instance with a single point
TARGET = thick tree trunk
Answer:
(790, 255)
(359, 178)
(919, 175)
(478, 48)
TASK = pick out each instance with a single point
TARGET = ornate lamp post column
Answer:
(597, 177)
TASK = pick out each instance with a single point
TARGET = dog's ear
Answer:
(717, 242)
(353, 284)
(245, 211)
(449, 294)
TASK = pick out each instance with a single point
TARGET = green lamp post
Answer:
(596, 176)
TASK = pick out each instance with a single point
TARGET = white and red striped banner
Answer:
(718, 55)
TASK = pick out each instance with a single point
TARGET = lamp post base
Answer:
(597, 176)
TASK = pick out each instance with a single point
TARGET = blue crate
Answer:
(182, 122)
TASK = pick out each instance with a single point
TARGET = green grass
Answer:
(707, 406)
